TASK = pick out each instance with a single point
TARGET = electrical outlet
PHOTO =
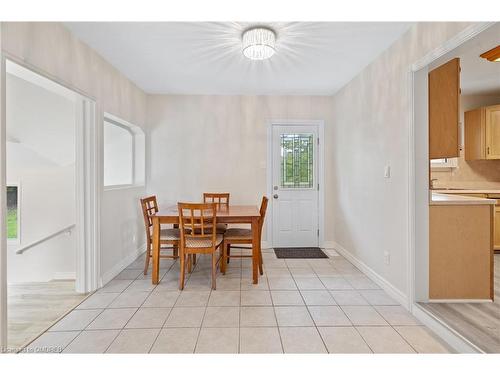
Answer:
(387, 258)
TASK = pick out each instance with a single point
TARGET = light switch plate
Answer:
(387, 171)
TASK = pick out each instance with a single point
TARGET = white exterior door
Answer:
(295, 186)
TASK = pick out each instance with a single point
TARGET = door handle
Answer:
(275, 196)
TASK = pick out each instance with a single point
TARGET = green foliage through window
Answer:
(12, 212)
(297, 160)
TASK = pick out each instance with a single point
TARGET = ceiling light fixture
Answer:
(492, 54)
(259, 43)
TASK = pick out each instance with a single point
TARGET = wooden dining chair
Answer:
(168, 236)
(197, 221)
(222, 202)
(243, 236)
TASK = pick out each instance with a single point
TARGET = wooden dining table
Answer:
(232, 214)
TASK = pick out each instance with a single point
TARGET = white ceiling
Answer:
(478, 76)
(312, 58)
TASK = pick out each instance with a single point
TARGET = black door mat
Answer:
(299, 253)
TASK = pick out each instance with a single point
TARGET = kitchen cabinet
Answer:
(460, 252)
(482, 133)
(444, 106)
(496, 234)
(496, 216)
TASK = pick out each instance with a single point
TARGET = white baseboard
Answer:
(328, 245)
(120, 266)
(460, 301)
(390, 289)
(64, 276)
(444, 331)
(265, 245)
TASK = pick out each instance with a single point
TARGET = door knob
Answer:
(275, 196)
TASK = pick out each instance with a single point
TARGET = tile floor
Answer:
(299, 306)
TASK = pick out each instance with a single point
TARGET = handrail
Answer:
(46, 238)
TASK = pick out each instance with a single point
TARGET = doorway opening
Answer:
(295, 184)
(51, 214)
(454, 275)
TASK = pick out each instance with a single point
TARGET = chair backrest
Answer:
(149, 207)
(197, 221)
(221, 199)
(263, 209)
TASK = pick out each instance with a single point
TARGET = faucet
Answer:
(431, 183)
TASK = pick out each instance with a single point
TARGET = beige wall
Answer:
(371, 118)
(50, 48)
(470, 174)
(219, 143)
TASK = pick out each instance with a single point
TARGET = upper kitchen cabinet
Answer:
(444, 106)
(482, 133)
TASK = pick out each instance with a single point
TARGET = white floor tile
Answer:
(286, 298)
(264, 340)
(228, 317)
(422, 340)
(51, 342)
(257, 316)
(76, 320)
(129, 299)
(397, 315)
(301, 340)
(185, 317)
(176, 340)
(98, 301)
(92, 341)
(317, 297)
(293, 316)
(364, 316)
(218, 340)
(134, 341)
(384, 340)
(349, 298)
(112, 319)
(256, 298)
(329, 316)
(149, 317)
(344, 340)
(161, 298)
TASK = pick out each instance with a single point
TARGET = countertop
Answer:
(439, 199)
(467, 191)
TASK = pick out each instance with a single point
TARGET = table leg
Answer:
(156, 251)
(255, 249)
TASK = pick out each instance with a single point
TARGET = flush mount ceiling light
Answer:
(492, 54)
(259, 43)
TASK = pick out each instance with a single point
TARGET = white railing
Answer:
(46, 238)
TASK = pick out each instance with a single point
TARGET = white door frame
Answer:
(88, 172)
(321, 174)
(418, 167)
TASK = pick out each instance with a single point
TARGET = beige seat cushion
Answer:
(238, 233)
(203, 242)
(169, 234)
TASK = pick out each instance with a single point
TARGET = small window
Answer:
(13, 212)
(124, 153)
(444, 163)
(297, 161)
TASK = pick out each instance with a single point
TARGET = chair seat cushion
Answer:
(203, 242)
(169, 234)
(238, 233)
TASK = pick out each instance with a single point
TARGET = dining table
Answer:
(226, 214)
